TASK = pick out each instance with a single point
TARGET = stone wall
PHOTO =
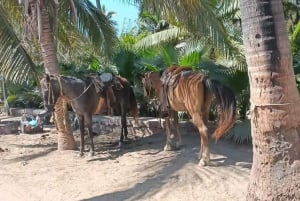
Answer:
(9, 127)
(103, 124)
(28, 111)
(146, 125)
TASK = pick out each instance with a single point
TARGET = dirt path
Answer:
(32, 169)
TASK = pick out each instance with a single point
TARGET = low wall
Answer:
(103, 124)
(9, 127)
(146, 125)
(28, 111)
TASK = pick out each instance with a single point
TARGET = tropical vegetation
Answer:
(76, 37)
(210, 42)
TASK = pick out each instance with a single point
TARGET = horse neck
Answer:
(71, 88)
(156, 84)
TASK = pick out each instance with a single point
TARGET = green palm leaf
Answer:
(92, 23)
(156, 39)
(15, 64)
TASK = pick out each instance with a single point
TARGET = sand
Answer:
(31, 169)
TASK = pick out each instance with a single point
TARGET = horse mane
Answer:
(175, 69)
(172, 68)
(183, 68)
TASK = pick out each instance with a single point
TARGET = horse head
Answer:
(151, 84)
(147, 85)
(49, 92)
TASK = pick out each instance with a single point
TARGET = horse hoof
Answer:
(80, 154)
(168, 148)
(91, 154)
(203, 163)
(120, 144)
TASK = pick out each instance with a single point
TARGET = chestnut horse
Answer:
(193, 92)
(83, 96)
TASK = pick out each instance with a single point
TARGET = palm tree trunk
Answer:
(65, 137)
(98, 3)
(4, 91)
(275, 102)
(63, 123)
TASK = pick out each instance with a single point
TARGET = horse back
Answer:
(189, 93)
(87, 101)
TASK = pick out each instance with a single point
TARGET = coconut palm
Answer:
(47, 21)
(274, 102)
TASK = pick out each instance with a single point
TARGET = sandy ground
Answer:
(31, 169)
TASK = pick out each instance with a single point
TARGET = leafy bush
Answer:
(241, 133)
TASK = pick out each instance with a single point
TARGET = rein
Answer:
(51, 93)
(73, 99)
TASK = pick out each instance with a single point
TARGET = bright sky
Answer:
(124, 13)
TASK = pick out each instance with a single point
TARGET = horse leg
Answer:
(124, 131)
(81, 128)
(170, 144)
(176, 126)
(89, 123)
(204, 149)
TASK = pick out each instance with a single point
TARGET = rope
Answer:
(254, 106)
(61, 89)
(73, 99)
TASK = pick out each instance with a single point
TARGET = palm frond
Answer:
(192, 59)
(93, 24)
(296, 38)
(156, 39)
(198, 17)
(15, 64)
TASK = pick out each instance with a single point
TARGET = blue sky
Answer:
(124, 12)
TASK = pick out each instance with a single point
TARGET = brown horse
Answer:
(82, 94)
(193, 92)
(118, 96)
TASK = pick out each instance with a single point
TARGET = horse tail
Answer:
(227, 106)
(133, 106)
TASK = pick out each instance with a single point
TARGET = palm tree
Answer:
(274, 101)
(42, 20)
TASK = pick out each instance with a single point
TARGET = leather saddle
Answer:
(170, 79)
(111, 84)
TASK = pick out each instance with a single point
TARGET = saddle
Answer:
(170, 79)
(111, 83)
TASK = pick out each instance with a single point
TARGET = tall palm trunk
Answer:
(65, 137)
(4, 92)
(275, 102)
